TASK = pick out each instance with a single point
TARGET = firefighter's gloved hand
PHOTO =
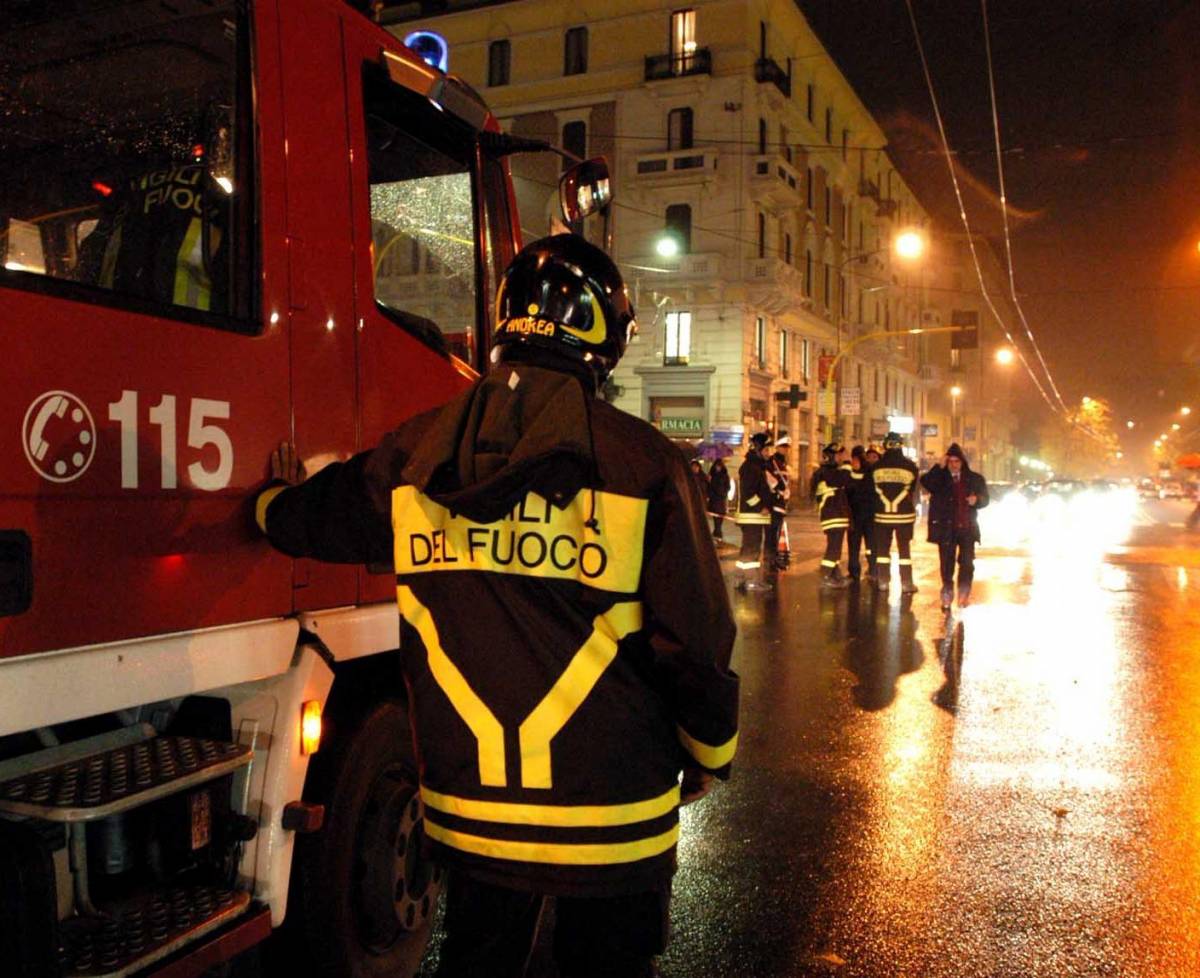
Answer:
(696, 784)
(286, 465)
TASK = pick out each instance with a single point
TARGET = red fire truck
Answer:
(223, 224)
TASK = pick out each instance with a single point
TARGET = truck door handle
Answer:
(16, 572)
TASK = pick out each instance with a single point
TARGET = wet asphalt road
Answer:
(1007, 792)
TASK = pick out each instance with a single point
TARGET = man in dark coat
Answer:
(956, 494)
(718, 496)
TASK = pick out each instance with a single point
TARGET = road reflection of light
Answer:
(1057, 657)
(1181, 578)
(911, 759)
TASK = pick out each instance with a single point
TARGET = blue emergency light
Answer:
(430, 48)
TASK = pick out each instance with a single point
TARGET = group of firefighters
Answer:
(868, 494)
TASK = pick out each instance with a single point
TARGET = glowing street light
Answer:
(1175, 426)
(909, 245)
(1128, 424)
(1004, 356)
(956, 391)
(1185, 410)
(667, 246)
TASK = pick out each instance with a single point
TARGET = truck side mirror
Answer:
(584, 189)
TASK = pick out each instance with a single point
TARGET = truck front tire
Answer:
(363, 897)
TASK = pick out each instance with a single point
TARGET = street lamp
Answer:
(1129, 424)
(1004, 356)
(1185, 410)
(667, 246)
(910, 245)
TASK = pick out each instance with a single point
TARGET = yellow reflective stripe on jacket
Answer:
(191, 280)
(536, 539)
(265, 498)
(489, 734)
(752, 519)
(561, 853)
(709, 756)
(559, 816)
(572, 688)
(895, 518)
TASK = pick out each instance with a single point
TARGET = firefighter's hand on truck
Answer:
(696, 784)
(286, 464)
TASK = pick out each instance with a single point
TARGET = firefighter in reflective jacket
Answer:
(565, 630)
(756, 501)
(830, 488)
(894, 480)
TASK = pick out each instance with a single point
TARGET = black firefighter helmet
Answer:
(893, 439)
(564, 295)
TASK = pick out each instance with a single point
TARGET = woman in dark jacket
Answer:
(718, 496)
(956, 494)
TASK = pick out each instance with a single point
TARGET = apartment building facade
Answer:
(756, 205)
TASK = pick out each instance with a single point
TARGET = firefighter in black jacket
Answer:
(862, 515)
(565, 629)
(755, 503)
(894, 481)
(829, 490)
(956, 494)
(778, 480)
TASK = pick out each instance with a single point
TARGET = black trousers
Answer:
(717, 521)
(833, 549)
(750, 557)
(862, 534)
(903, 532)
(771, 540)
(491, 932)
(960, 549)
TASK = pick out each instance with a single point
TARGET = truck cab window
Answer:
(123, 145)
(423, 218)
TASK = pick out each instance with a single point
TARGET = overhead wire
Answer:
(1012, 282)
(962, 211)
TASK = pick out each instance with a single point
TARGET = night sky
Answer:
(1100, 120)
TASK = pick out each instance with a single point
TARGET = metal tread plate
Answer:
(119, 779)
(121, 944)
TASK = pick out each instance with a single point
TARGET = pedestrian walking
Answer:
(547, 546)
(718, 497)
(700, 477)
(779, 480)
(755, 502)
(830, 485)
(862, 515)
(956, 494)
(894, 482)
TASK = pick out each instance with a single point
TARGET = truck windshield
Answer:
(425, 211)
(119, 145)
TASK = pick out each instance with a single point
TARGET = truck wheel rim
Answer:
(397, 888)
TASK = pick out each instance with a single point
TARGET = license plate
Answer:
(201, 811)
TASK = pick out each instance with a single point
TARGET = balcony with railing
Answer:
(679, 269)
(777, 286)
(671, 65)
(676, 163)
(768, 70)
(775, 181)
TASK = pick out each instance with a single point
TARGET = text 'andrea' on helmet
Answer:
(564, 295)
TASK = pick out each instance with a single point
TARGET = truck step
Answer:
(115, 780)
(116, 945)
